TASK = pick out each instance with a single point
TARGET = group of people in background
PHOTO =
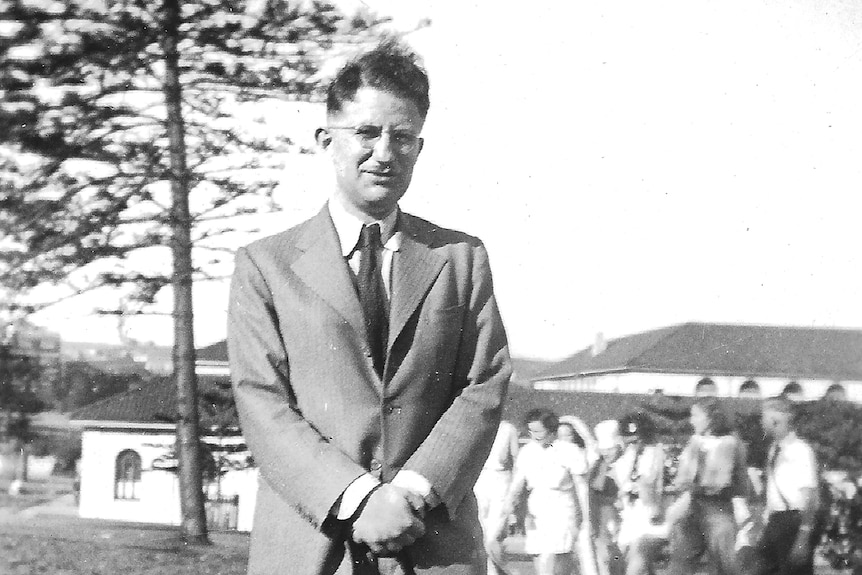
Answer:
(603, 502)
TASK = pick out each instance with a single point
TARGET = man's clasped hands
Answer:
(389, 519)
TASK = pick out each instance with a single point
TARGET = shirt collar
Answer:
(349, 226)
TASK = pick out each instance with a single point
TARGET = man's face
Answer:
(372, 174)
(776, 424)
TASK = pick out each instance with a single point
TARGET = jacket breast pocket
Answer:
(449, 310)
(445, 317)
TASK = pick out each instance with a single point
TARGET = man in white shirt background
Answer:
(787, 544)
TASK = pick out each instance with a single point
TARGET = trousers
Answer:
(709, 529)
(779, 536)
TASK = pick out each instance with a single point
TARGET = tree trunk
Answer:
(194, 525)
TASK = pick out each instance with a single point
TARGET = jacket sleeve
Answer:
(295, 460)
(452, 455)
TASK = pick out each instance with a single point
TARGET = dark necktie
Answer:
(372, 296)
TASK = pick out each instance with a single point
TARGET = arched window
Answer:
(127, 475)
(792, 391)
(836, 392)
(705, 388)
(749, 388)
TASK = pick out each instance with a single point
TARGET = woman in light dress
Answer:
(572, 429)
(549, 470)
(640, 472)
(604, 502)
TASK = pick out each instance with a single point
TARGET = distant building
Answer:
(156, 359)
(89, 380)
(128, 459)
(717, 359)
(211, 361)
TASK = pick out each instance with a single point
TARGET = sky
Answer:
(629, 165)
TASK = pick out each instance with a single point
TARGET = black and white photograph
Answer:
(367, 287)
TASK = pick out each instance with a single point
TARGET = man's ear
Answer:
(323, 137)
(421, 145)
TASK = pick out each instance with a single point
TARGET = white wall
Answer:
(675, 384)
(158, 491)
(243, 483)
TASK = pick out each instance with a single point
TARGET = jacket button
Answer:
(393, 409)
(375, 465)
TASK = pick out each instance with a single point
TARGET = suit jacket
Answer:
(315, 413)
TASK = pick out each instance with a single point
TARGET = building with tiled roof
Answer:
(128, 456)
(722, 359)
(151, 404)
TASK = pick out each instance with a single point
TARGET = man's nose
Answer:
(382, 150)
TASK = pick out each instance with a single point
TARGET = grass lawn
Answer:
(72, 546)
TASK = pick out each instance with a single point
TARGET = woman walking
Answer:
(712, 472)
(603, 508)
(641, 479)
(549, 470)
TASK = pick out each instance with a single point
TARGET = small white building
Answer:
(128, 459)
(717, 359)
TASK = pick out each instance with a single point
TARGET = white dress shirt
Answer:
(349, 227)
(793, 472)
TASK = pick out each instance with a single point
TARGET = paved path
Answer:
(520, 564)
(64, 505)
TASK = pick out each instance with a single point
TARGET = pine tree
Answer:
(121, 151)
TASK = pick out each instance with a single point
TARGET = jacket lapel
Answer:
(415, 268)
(323, 268)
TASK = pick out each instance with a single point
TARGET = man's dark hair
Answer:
(720, 421)
(390, 67)
(546, 417)
(782, 404)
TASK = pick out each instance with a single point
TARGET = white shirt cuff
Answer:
(416, 483)
(355, 494)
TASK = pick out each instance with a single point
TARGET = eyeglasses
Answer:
(368, 135)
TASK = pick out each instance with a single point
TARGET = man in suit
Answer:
(368, 357)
